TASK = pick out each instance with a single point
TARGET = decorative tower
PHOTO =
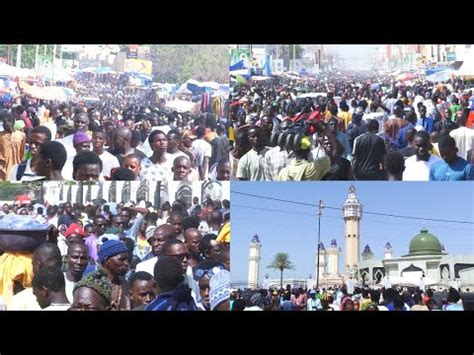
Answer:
(333, 258)
(322, 261)
(254, 262)
(388, 253)
(352, 215)
(367, 253)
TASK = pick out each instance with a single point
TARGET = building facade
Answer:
(55, 192)
(426, 264)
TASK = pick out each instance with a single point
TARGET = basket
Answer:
(22, 240)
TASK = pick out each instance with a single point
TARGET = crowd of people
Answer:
(352, 126)
(340, 298)
(125, 256)
(108, 133)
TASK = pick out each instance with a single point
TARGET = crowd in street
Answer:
(109, 132)
(352, 126)
(341, 298)
(108, 256)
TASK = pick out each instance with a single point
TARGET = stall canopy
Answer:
(23, 200)
(50, 93)
(183, 106)
(8, 70)
(467, 69)
(197, 87)
(440, 76)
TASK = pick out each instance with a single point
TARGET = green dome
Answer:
(425, 244)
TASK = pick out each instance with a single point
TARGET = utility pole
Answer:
(36, 58)
(18, 56)
(321, 206)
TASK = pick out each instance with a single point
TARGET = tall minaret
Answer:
(322, 261)
(333, 258)
(254, 262)
(352, 215)
(388, 253)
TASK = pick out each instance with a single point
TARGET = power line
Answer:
(336, 217)
(340, 209)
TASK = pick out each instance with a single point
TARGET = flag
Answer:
(237, 66)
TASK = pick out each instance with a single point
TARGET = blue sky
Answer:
(295, 230)
(357, 56)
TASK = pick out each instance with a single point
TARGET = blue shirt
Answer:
(342, 138)
(402, 135)
(166, 302)
(427, 124)
(460, 169)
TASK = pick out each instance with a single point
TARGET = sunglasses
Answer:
(199, 273)
(181, 257)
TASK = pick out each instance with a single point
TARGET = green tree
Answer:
(9, 191)
(178, 63)
(28, 53)
(282, 262)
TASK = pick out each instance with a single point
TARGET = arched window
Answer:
(143, 191)
(185, 193)
(126, 191)
(212, 189)
(80, 193)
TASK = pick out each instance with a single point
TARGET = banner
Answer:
(45, 64)
(138, 66)
(237, 54)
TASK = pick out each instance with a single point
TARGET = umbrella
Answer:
(405, 77)
(102, 70)
(22, 200)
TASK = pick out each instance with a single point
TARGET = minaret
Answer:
(352, 215)
(388, 253)
(254, 262)
(322, 261)
(333, 258)
(367, 253)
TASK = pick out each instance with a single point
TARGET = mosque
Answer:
(426, 264)
(54, 192)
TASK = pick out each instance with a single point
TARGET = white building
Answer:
(124, 191)
(426, 264)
